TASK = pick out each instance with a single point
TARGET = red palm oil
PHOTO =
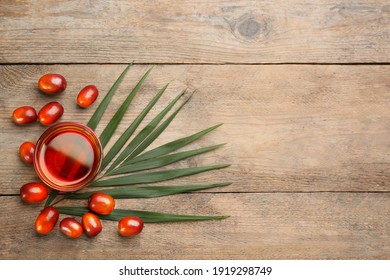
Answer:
(68, 156)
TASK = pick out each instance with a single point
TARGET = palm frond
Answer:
(147, 191)
(161, 161)
(52, 196)
(126, 166)
(171, 146)
(110, 128)
(155, 133)
(146, 216)
(153, 177)
(130, 130)
(139, 138)
(97, 115)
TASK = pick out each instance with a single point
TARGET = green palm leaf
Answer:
(147, 191)
(116, 119)
(130, 130)
(97, 115)
(155, 133)
(171, 146)
(147, 217)
(53, 194)
(143, 134)
(162, 161)
(153, 177)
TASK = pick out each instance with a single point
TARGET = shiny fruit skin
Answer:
(33, 192)
(130, 226)
(24, 115)
(46, 220)
(26, 152)
(71, 228)
(50, 113)
(91, 224)
(101, 203)
(52, 83)
(87, 96)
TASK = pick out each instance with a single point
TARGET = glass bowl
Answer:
(68, 156)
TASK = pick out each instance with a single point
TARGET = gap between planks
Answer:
(379, 63)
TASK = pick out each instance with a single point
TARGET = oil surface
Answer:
(67, 158)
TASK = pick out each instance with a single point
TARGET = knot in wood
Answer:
(249, 28)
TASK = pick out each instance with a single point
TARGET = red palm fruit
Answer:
(24, 115)
(52, 83)
(33, 192)
(26, 152)
(46, 220)
(71, 228)
(50, 113)
(91, 224)
(87, 96)
(129, 226)
(101, 203)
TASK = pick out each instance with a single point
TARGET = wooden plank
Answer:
(287, 129)
(212, 31)
(260, 226)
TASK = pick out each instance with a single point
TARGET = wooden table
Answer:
(302, 88)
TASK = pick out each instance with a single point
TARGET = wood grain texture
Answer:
(198, 31)
(306, 136)
(260, 226)
(287, 128)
